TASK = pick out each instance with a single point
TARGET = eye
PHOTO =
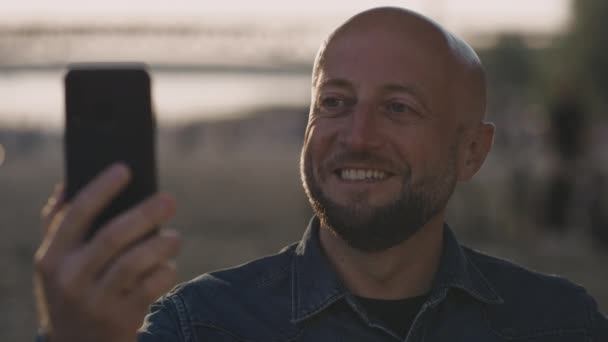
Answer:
(397, 107)
(332, 102)
(398, 110)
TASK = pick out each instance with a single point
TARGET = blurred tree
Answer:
(586, 43)
(511, 73)
(509, 63)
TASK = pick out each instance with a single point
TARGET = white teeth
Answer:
(359, 175)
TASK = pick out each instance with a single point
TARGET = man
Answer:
(396, 120)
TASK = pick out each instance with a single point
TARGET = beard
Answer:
(375, 228)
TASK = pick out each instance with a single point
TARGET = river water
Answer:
(34, 98)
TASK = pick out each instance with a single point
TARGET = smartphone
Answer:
(108, 119)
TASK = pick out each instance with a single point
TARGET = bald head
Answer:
(463, 74)
(395, 122)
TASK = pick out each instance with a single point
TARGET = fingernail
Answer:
(171, 233)
(58, 188)
(119, 171)
(166, 205)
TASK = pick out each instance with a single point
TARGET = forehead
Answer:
(376, 56)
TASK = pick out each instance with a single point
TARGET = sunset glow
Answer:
(543, 15)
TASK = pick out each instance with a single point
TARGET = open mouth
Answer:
(361, 175)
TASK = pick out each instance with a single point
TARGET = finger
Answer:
(51, 207)
(81, 211)
(42, 259)
(139, 261)
(123, 231)
(154, 285)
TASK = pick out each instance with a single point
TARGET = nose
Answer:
(361, 129)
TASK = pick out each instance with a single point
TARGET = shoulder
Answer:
(258, 275)
(507, 277)
(259, 288)
(534, 303)
(252, 299)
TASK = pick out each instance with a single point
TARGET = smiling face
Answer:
(381, 153)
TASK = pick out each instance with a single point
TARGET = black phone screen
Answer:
(109, 119)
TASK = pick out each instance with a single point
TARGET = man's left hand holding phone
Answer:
(95, 279)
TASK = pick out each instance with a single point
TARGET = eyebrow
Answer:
(337, 82)
(413, 90)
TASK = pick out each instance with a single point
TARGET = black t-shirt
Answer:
(398, 315)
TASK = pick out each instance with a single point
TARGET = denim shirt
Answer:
(295, 295)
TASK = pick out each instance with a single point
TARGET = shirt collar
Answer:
(457, 271)
(315, 285)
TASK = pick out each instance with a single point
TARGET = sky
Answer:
(535, 15)
(175, 97)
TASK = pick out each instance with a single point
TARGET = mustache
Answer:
(341, 158)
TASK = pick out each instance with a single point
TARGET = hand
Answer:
(100, 290)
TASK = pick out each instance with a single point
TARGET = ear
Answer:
(477, 144)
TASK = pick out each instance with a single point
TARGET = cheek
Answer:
(318, 143)
(309, 159)
(424, 151)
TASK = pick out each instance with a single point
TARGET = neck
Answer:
(403, 271)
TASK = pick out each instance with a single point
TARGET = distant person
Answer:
(568, 119)
(576, 186)
(396, 121)
(568, 128)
